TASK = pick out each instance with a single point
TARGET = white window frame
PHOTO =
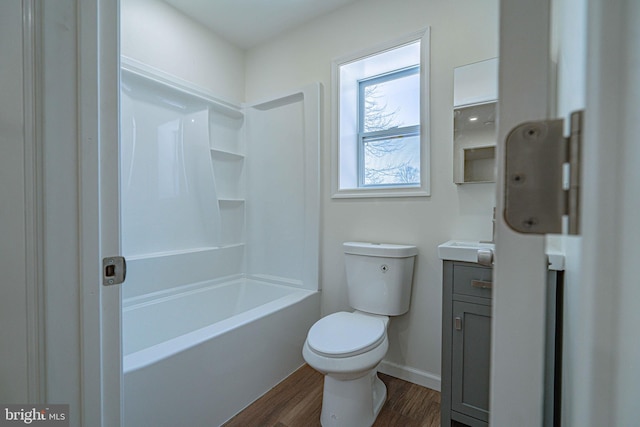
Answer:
(345, 143)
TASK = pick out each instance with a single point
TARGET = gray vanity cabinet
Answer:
(466, 344)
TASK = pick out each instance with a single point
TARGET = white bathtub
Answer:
(200, 356)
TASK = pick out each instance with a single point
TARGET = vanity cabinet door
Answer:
(470, 361)
(466, 344)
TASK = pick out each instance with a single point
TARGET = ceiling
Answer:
(246, 23)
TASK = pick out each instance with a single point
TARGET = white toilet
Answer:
(347, 347)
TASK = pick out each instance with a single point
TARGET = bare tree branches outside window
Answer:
(377, 114)
(385, 158)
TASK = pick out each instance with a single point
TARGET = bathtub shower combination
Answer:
(220, 227)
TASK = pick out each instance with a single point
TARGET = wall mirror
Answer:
(475, 95)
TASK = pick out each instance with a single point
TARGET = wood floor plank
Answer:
(297, 402)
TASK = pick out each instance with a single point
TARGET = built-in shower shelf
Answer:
(231, 246)
(227, 111)
(230, 201)
(228, 169)
(227, 154)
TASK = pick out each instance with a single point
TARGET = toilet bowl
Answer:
(347, 347)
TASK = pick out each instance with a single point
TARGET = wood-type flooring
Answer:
(296, 402)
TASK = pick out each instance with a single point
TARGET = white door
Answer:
(59, 211)
(517, 358)
(98, 120)
(77, 116)
(600, 377)
(18, 370)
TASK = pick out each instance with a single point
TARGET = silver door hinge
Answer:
(114, 270)
(542, 177)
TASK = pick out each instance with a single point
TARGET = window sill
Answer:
(357, 193)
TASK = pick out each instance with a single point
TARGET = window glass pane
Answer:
(392, 161)
(392, 103)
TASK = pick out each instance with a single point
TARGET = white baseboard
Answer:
(425, 379)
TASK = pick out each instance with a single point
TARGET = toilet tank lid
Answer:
(387, 250)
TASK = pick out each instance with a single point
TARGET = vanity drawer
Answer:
(472, 280)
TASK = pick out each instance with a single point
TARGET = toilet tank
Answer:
(379, 276)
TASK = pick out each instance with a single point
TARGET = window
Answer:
(389, 129)
(380, 105)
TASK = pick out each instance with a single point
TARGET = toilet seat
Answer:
(345, 334)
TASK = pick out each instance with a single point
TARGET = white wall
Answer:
(158, 35)
(461, 32)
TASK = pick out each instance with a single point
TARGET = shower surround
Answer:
(220, 227)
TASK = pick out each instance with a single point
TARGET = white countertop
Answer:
(468, 250)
